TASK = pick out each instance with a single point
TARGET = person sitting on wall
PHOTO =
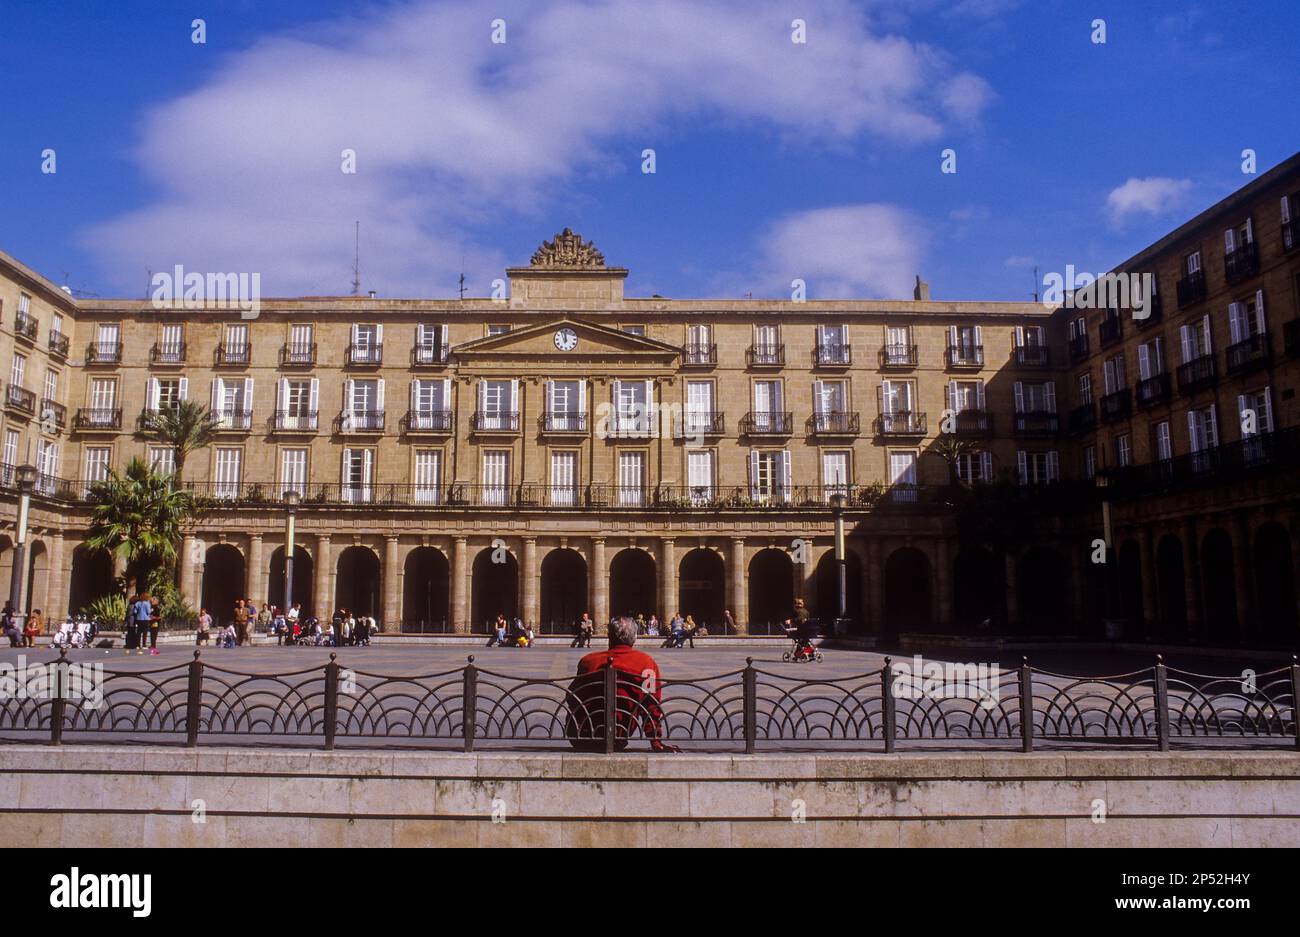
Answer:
(585, 629)
(639, 693)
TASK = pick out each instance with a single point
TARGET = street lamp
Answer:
(26, 477)
(1111, 623)
(291, 499)
(837, 508)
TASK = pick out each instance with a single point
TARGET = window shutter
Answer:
(367, 466)
(819, 403)
(986, 466)
(1144, 362)
(979, 339)
(1185, 338)
(1229, 241)
(1259, 311)
(582, 396)
(753, 473)
(1266, 425)
(183, 391)
(216, 394)
(614, 387)
(1051, 396)
(356, 330)
(1020, 336)
(379, 397)
(1212, 428)
(1053, 465)
(1234, 322)
(950, 396)
(1205, 324)
(314, 400)
(952, 336)
(248, 395)
(1286, 209)
(514, 395)
(979, 395)
(549, 402)
(347, 395)
(415, 396)
(1022, 466)
(347, 461)
(153, 393)
(379, 336)
(442, 338)
(785, 474)
(282, 395)
(1020, 397)
(1250, 232)
(1242, 407)
(482, 396)
(1193, 431)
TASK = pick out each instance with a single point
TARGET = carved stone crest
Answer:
(568, 250)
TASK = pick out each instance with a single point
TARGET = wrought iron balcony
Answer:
(104, 353)
(692, 423)
(25, 326)
(231, 355)
(1213, 466)
(370, 356)
(973, 423)
(1110, 331)
(298, 356)
(1241, 263)
(765, 356)
(898, 356)
(494, 421)
(901, 423)
(699, 355)
(550, 422)
(1032, 356)
(305, 421)
(359, 421)
(1117, 405)
(55, 411)
(1082, 418)
(167, 353)
(832, 356)
(1249, 355)
(59, 344)
(1037, 423)
(1197, 374)
(1191, 289)
(20, 399)
(424, 356)
(1155, 312)
(835, 423)
(98, 418)
(1152, 390)
(965, 356)
(767, 423)
(1079, 347)
(236, 421)
(427, 421)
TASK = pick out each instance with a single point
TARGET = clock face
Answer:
(566, 339)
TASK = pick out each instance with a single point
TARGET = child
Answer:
(227, 636)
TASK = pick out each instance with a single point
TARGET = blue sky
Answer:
(774, 159)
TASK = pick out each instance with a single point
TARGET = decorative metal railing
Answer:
(764, 707)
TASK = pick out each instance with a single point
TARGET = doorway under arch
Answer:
(563, 592)
(426, 605)
(702, 588)
(771, 590)
(632, 577)
(359, 587)
(496, 588)
(908, 591)
(223, 581)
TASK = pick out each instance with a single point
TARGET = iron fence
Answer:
(747, 709)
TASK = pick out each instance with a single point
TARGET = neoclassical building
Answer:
(567, 448)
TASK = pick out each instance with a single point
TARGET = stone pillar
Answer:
(392, 579)
(1192, 580)
(324, 598)
(56, 598)
(530, 572)
(1243, 580)
(875, 605)
(739, 586)
(1013, 589)
(599, 574)
(189, 566)
(1150, 607)
(255, 574)
(460, 586)
(943, 583)
(668, 579)
(1079, 575)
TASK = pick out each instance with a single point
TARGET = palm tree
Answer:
(139, 516)
(184, 427)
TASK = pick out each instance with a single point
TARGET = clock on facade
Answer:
(566, 339)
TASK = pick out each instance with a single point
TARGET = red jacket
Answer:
(639, 692)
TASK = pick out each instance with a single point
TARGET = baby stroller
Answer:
(802, 647)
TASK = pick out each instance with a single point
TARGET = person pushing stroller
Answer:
(801, 629)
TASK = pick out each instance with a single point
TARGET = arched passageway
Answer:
(1172, 587)
(1044, 591)
(632, 585)
(1275, 587)
(827, 603)
(702, 588)
(771, 590)
(1220, 591)
(496, 588)
(979, 587)
(908, 589)
(426, 576)
(304, 580)
(563, 591)
(223, 581)
(358, 586)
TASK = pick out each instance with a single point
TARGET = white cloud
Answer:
(453, 132)
(846, 251)
(1155, 195)
(1019, 260)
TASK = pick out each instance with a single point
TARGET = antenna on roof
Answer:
(1035, 282)
(356, 263)
(462, 276)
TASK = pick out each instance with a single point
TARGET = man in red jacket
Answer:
(639, 693)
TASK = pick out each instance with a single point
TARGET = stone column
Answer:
(1192, 580)
(324, 598)
(668, 579)
(1243, 580)
(255, 575)
(599, 574)
(392, 579)
(943, 583)
(189, 566)
(1150, 608)
(739, 586)
(875, 606)
(1079, 574)
(56, 597)
(1013, 587)
(531, 612)
(459, 586)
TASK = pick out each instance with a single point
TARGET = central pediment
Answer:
(579, 342)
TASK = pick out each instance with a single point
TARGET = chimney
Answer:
(372, 294)
(921, 292)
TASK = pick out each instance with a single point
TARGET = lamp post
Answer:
(291, 509)
(26, 477)
(837, 509)
(1111, 624)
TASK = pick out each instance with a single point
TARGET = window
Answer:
(56, 325)
(699, 345)
(11, 452)
(171, 343)
(1151, 359)
(367, 344)
(634, 330)
(227, 474)
(965, 345)
(1246, 318)
(564, 478)
(902, 475)
(898, 345)
(497, 408)
(1192, 263)
(232, 402)
(1203, 436)
(1035, 396)
(566, 404)
(832, 344)
(837, 477)
(700, 475)
(47, 465)
(1038, 468)
(769, 476)
(97, 458)
(430, 404)
(103, 394)
(428, 476)
(165, 393)
(1164, 442)
(18, 371)
(297, 406)
(301, 339)
(1290, 210)
(236, 342)
(830, 397)
(631, 478)
(162, 460)
(24, 303)
(1085, 389)
(631, 407)
(430, 343)
(1195, 340)
(965, 395)
(497, 329)
(496, 476)
(973, 467)
(699, 408)
(1255, 412)
(293, 471)
(51, 384)
(358, 475)
(1123, 451)
(1029, 336)
(363, 404)
(1114, 374)
(1089, 462)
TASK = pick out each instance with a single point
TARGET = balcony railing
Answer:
(59, 344)
(835, 423)
(53, 410)
(1032, 356)
(1110, 331)
(765, 356)
(104, 353)
(359, 421)
(1082, 418)
(232, 420)
(167, 353)
(1037, 423)
(898, 356)
(1117, 405)
(427, 421)
(832, 356)
(1191, 289)
(1214, 466)
(25, 326)
(1241, 263)
(1196, 374)
(1155, 312)
(20, 398)
(1079, 347)
(98, 418)
(305, 421)
(550, 422)
(298, 356)
(699, 355)
(423, 356)
(767, 423)
(1249, 355)
(1291, 338)
(965, 356)
(901, 423)
(973, 423)
(692, 423)
(365, 355)
(232, 355)
(1152, 390)
(494, 421)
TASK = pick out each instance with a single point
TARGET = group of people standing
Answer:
(143, 619)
